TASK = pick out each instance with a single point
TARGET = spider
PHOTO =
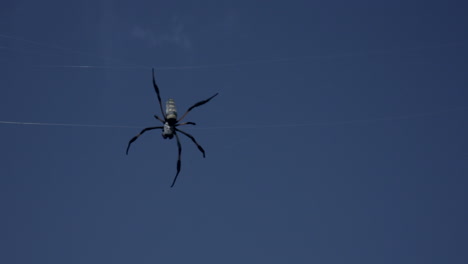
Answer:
(169, 129)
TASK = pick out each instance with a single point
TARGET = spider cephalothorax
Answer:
(168, 131)
(170, 124)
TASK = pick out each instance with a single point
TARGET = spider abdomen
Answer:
(171, 110)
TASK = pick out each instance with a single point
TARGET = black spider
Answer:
(171, 123)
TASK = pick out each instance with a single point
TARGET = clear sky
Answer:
(339, 134)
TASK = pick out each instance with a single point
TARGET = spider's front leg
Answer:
(193, 140)
(179, 147)
(143, 131)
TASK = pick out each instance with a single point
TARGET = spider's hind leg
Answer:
(156, 89)
(160, 119)
(186, 123)
(197, 105)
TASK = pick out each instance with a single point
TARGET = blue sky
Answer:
(338, 136)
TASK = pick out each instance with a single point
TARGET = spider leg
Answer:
(143, 131)
(193, 139)
(186, 123)
(179, 147)
(196, 105)
(158, 118)
(159, 96)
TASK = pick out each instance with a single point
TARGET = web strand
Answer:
(245, 126)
